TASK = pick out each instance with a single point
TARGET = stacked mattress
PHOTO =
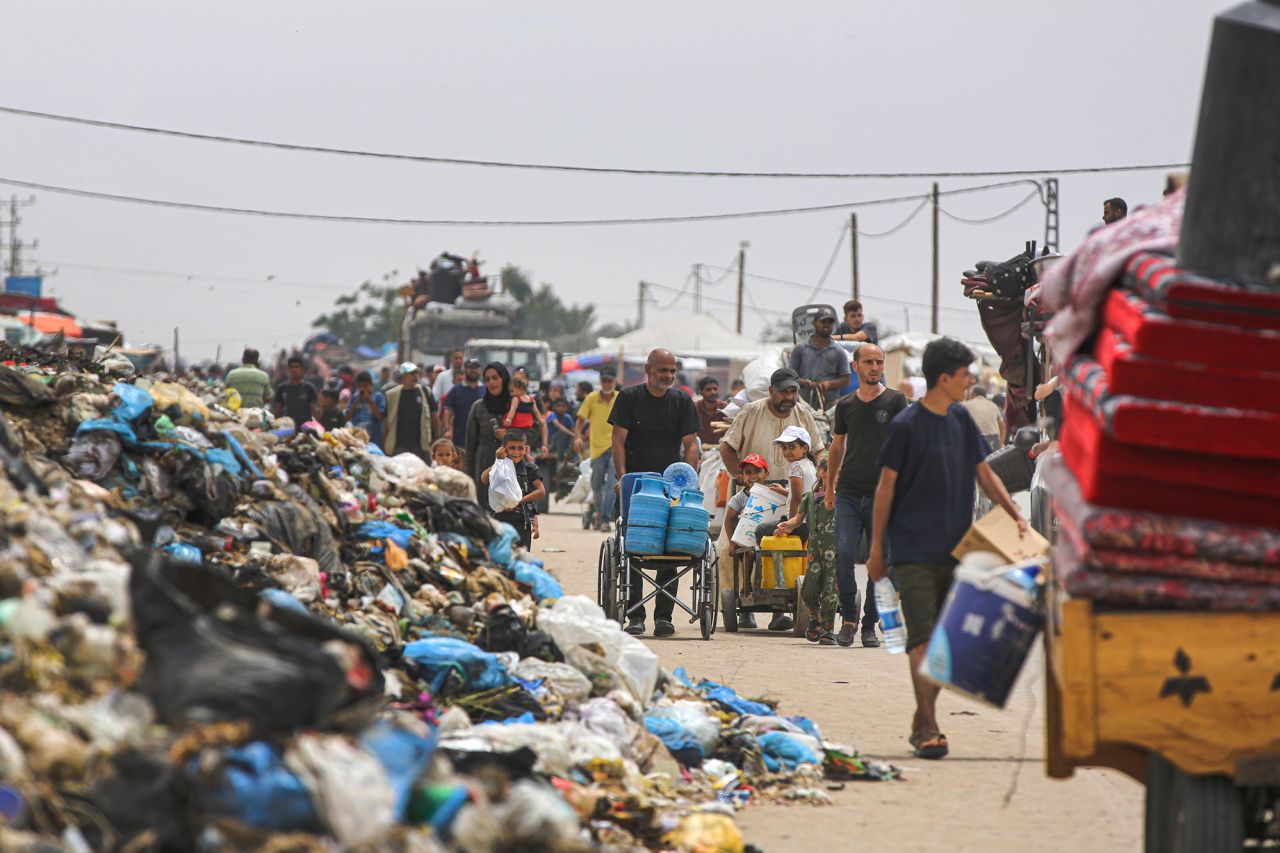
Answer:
(1170, 491)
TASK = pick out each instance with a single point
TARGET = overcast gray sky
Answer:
(829, 85)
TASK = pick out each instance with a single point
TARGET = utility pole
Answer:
(697, 288)
(742, 280)
(1051, 214)
(853, 250)
(14, 264)
(933, 326)
(176, 360)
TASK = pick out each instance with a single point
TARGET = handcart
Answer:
(748, 595)
(617, 567)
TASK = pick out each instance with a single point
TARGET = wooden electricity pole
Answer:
(742, 280)
(853, 250)
(933, 302)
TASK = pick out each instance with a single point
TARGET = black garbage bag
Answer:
(93, 454)
(212, 489)
(212, 656)
(504, 632)
(141, 793)
(20, 391)
(300, 530)
(471, 519)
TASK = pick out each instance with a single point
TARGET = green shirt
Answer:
(252, 384)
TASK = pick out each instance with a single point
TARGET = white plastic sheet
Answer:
(576, 620)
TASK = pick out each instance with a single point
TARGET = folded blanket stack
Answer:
(1168, 485)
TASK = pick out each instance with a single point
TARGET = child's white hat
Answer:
(794, 433)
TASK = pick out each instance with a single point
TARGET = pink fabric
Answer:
(1076, 286)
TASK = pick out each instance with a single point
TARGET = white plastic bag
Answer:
(576, 620)
(764, 506)
(504, 488)
(581, 491)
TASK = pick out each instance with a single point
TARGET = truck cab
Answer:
(534, 356)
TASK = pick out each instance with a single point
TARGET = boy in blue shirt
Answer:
(924, 505)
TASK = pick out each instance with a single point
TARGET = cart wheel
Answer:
(729, 609)
(802, 611)
(1186, 813)
(707, 620)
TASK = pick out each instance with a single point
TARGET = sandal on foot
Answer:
(827, 639)
(930, 748)
(813, 631)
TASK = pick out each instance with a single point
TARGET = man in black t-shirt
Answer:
(654, 425)
(858, 431)
(295, 399)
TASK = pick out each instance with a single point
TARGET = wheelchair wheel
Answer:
(607, 579)
(708, 587)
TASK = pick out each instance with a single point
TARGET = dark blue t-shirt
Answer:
(459, 400)
(935, 457)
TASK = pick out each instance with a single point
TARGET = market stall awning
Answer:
(50, 323)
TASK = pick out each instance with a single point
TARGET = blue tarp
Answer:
(403, 754)
(438, 656)
(385, 530)
(544, 584)
(126, 433)
(683, 744)
(255, 788)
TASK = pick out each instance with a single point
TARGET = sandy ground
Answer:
(863, 697)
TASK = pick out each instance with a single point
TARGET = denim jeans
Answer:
(853, 516)
(602, 485)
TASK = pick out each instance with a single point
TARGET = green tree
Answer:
(369, 316)
(777, 332)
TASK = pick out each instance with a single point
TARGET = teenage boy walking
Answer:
(923, 507)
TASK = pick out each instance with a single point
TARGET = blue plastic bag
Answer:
(543, 582)
(256, 788)
(403, 754)
(134, 401)
(729, 698)
(806, 725)
(783, 751)
(280, 599)
(126, 433)
(385, 530)
(184, 553)
(683, 744)
(439, 656)
(502, 547)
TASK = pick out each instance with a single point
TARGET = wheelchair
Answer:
(616, 568)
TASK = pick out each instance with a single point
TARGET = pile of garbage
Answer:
(219, 631)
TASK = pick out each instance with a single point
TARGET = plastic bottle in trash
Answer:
(895, 632)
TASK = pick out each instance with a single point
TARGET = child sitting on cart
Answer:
(819, 591)
(754, 469)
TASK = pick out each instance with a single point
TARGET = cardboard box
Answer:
(997, 532)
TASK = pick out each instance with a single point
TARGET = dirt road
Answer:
(863, 697)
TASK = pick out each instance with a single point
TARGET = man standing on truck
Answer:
(250, 381)
(822, 365)
(594, 410)
(859, 427)
(654, 425)
(923, 508)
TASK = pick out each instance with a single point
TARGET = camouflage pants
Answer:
(819, 590)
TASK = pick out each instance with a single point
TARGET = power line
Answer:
(873, 235)
(477, 223)
(716, 300)
(688, 280)
(988, 219)
(560, 167)
(831, 262)
(867, 297)
(217, 279)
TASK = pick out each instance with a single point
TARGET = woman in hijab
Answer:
(483, 425)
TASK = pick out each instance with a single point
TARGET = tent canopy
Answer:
(50, 323)
(699, 335)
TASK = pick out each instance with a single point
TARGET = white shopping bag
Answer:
(504, 488)
(764, 506)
